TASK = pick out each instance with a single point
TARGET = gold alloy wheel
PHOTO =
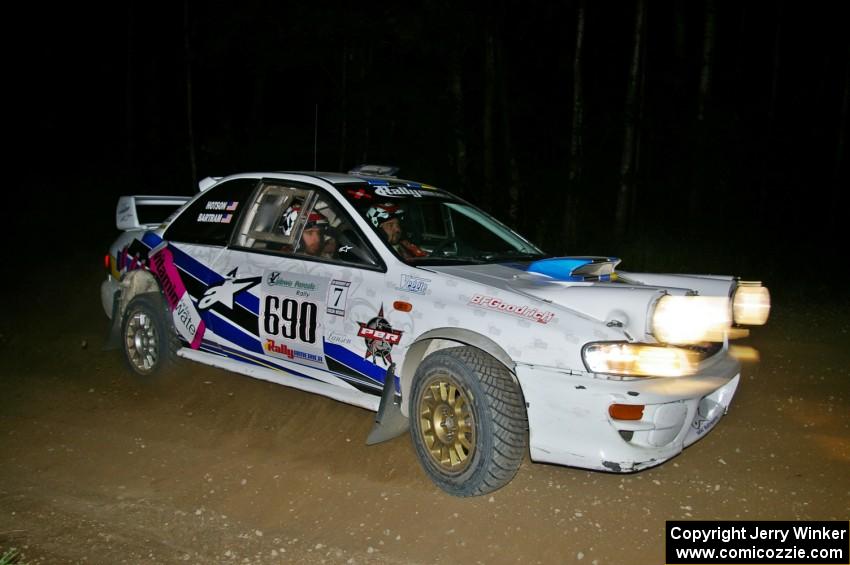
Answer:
(447, 423)
(141, 340)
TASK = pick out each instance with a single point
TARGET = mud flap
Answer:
(389, 422)
(113, 338)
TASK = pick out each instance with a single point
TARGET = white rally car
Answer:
(406, 300)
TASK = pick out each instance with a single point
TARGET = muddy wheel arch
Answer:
(443, 338)
(131, 285)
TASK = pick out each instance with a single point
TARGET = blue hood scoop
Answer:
(576, 269)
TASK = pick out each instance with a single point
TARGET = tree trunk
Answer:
(627, 164)
(639, 173)
(513, 167)
(343, 126)
(574, 184)
(365, 65)
(837, 210)
(258, 104)
(679, 32)
(701, 147)
(460, 157)
(129, 99)
(774, 83)
(707, 60)
(316, 138)
(765, 196)
(487, 125)
(190, 127)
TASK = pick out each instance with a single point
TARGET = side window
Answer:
(302, 222)
(274, 220)
(342, 239)
(210, 219)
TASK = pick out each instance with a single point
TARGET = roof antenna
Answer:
(315, 136)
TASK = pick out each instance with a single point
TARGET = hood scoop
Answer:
(576, 269)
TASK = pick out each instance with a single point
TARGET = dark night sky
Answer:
(99, 107)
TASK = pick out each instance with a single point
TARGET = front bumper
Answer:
(569, 423)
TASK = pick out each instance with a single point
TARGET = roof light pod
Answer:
(379, 170)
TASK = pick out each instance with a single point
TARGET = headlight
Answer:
(691, 319)
(640, 360)
(751, 304)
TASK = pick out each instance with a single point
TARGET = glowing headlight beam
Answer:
(691, 319)
(751, 304)
(640, 360)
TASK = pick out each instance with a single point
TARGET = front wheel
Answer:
(149, 341)
(468, 421)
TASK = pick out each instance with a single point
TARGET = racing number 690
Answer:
(286, 315)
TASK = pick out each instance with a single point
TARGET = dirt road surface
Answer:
(212, 467)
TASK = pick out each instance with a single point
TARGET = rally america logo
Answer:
(380, 338)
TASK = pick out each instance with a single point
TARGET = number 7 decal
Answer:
(337, 297)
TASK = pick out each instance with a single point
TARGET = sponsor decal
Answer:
(524, 311)
(337, 297)
(224, 291)
(289, 311)
(132, 257)
(704, 422)
(338, 339)
(186, 318)
(359, 193)
(209, 218)
(302, 288)
(380, 338)
(288, 318)
(219, 205)
(416, 285)
(281, 350)
(399, 192)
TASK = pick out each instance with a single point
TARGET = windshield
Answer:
(428, 226)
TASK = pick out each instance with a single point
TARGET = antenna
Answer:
(315, 137)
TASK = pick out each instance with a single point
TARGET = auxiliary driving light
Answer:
(751, 304)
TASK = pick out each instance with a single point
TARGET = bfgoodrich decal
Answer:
(523, 311)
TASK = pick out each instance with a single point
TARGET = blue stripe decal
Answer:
(377, 182)
(354, 361)
(210, 277)
(236, 335)
(249, 302)
(151, 239)
(203, 273)
(195, 267)
(262, 362)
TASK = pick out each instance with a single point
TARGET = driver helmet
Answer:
(314, 220)
(380, 213)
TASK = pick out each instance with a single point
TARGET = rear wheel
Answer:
(149, 341)
(468, 421)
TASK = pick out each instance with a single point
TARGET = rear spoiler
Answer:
(135, 212)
